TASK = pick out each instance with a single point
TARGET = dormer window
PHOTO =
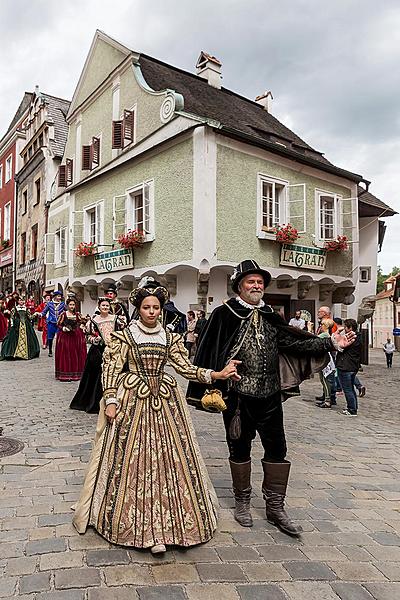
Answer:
(123, 131)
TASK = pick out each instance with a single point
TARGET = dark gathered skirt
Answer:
(3, 326)
(70, 355)
(90, 390)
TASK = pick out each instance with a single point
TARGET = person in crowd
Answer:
(327, 375)
(31, 304)
(12, 301)
(52, 312)
(189, 335)
(201, 321)
(117, 306)
(3, 317)
(297, 321)
(98, 331)
(324, 312)
(348, 363)
(21, 341)
(42, 324)
(337, 388)
(389, 348)
(146, 485)
(274, 358)
(71, 344)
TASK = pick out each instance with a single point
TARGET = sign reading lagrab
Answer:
(303, 257)
(115, 260)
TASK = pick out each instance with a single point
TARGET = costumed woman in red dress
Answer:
(42, 323)
(3, 319)
(71, 344)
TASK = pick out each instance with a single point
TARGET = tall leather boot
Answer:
(242, 489)
(276, 475)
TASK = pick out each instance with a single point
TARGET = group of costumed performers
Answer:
(20, 341)
(71, 344)
(146, 484)
(98, 332)
(42, 323)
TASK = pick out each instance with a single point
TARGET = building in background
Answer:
(10, 162)
(45, 136)
(386, 315)
(207, 176)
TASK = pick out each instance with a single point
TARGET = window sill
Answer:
(60, 265)
(265, 235)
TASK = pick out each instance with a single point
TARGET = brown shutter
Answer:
(69, 170)
(117, 128)
(86, 158)
(62, 176)
(95, 153)
(129, 124)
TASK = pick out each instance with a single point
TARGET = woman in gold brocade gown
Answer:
(147, 485)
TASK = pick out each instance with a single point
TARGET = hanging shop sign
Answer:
(115, 260)
(303, 257)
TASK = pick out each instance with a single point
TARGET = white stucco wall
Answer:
(368, 257)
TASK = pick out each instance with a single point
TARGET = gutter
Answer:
(240, 135)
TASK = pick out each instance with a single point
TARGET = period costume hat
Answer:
(137, 295)
(56, 293)
(248, 267)
(112, 288)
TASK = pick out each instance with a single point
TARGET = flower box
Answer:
(4, 244)
(86, 249)
(286, 234)
(338, 245)
(131, 239)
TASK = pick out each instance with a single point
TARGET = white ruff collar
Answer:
(260, 304)
(150, 330)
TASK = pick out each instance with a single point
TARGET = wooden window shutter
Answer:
(117, 129)
(86, 158)
(129, 123)
(62, 176)
(69, 170)
(95, 153)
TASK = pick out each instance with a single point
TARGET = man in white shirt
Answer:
(297, 321)
(389, 348)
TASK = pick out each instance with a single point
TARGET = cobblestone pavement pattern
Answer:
(344, 490)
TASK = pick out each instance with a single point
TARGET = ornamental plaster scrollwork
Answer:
(167, 108)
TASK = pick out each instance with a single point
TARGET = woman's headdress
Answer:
(137, 295)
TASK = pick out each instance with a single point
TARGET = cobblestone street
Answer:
(344, 490)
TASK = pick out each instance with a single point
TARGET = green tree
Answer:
(380, 280)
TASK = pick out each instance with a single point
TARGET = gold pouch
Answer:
(213, 401)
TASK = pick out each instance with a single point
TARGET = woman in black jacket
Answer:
(348, 363)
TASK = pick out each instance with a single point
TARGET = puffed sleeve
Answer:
(178, 358)
(114, 358)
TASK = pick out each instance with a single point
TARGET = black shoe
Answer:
(50, 354)
(320, 398)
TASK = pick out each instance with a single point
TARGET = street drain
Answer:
(8, 446)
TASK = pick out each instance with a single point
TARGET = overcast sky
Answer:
(333, 67)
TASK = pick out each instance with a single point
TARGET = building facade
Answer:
(386, 315)
(207, 176)
(10, 162)
(46, 134)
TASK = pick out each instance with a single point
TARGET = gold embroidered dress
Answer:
(147, 483)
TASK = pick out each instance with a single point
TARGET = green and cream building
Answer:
(206, 175)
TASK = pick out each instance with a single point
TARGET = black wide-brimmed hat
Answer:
(248, 267)
(112, 288)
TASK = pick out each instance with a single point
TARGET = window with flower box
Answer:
(279, 203)
(335, 216)
(135, 211)
(93, 228)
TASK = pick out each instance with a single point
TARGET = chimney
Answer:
(265, 100)
(208, 67)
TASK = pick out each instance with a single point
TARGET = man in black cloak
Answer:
(275, 358)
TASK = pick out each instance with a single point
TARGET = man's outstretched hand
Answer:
(343, 341)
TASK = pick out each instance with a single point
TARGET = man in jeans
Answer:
(348, 363)
(389, 348)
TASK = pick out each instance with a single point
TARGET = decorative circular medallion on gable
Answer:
(167, 109)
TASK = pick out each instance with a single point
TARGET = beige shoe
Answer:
(158, 549)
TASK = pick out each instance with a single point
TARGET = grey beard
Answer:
(251, 297)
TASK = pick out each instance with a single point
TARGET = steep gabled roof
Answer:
(371, 206)
(24, 105)
(57, 109)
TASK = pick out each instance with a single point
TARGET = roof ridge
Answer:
(44, 94)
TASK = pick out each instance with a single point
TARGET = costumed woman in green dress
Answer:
(21, 341)
(147, 484)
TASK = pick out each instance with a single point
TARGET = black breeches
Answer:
(257, 415)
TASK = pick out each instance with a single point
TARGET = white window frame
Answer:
(1, 176)
(8, 173)
(60, 256)
(7, 221)
(368, 278)
(147, 188)
(337, 201)
(261, 179)
(98, 208)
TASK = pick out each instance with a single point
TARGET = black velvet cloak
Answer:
(300, 353)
